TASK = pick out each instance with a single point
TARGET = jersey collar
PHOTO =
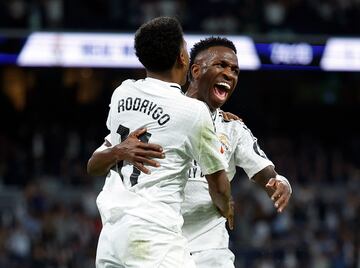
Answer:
(215, 114)
(160, 82)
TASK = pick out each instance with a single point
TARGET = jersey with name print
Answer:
(203, 226)
(182, 126)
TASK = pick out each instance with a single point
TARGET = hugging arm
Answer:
(220, 192)
(132, 150)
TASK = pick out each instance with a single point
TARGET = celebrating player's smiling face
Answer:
(216, 72)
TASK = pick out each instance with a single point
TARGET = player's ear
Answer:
(195, 71)
(182, 59)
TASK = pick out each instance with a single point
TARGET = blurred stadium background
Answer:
(304, 110)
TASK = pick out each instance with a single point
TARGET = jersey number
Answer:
(124, 133)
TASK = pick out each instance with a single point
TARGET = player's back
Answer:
(181, 125)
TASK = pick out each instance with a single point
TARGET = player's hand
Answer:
(229, 116)
(230, 216)
(282, 193)
(228, 213)
(139, 153)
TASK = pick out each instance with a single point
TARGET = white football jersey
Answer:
(182, 126)
(240, 149)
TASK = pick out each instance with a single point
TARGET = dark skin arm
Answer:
(278, 190)
(220, 192)
(132, 150)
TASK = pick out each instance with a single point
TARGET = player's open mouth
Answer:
(221, 90)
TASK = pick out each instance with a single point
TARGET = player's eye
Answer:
(224, 65)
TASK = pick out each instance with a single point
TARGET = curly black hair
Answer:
(158, 43)
(207, 43)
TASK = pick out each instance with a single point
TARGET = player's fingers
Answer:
(230, 217)
(151, 146)
(278, 203)
(142, 168)
(225, 116)
(230, 116)
(283, 203)
(233, 117)
(230, 221)
(271, 182)
(280, 187)
(147, 161)
(138, 132)
(150, 154)
(275, 196)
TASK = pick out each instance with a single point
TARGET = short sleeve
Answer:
(103, 146)
(248, 154)
(108, 120)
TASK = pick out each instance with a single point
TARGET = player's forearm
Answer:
(262, 177)
(100, 162)
(277, 187)
(220, 191)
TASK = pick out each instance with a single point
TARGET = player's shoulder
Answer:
(203, 108)
(192, 110)
(126, 83)
(194, 104)
(237, 128)
(237, 124)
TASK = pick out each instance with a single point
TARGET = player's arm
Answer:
(205, 148)
(276, 186)
(220, 192)
(260, 169)
(132, 150)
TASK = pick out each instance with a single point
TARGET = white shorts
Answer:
(133, 242)
(214, 258)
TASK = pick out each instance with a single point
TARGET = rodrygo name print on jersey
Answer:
(145, 106)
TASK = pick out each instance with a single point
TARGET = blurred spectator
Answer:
(218, 17)
(14, 14)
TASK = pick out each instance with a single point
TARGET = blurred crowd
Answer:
(321, 226)
(212, 16)
(52, 223)
(52, 120)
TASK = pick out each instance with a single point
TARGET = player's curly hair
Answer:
(158, 43)
(207, 43)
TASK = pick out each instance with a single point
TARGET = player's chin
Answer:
(218, 102)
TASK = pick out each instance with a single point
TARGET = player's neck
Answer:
(192, 92)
